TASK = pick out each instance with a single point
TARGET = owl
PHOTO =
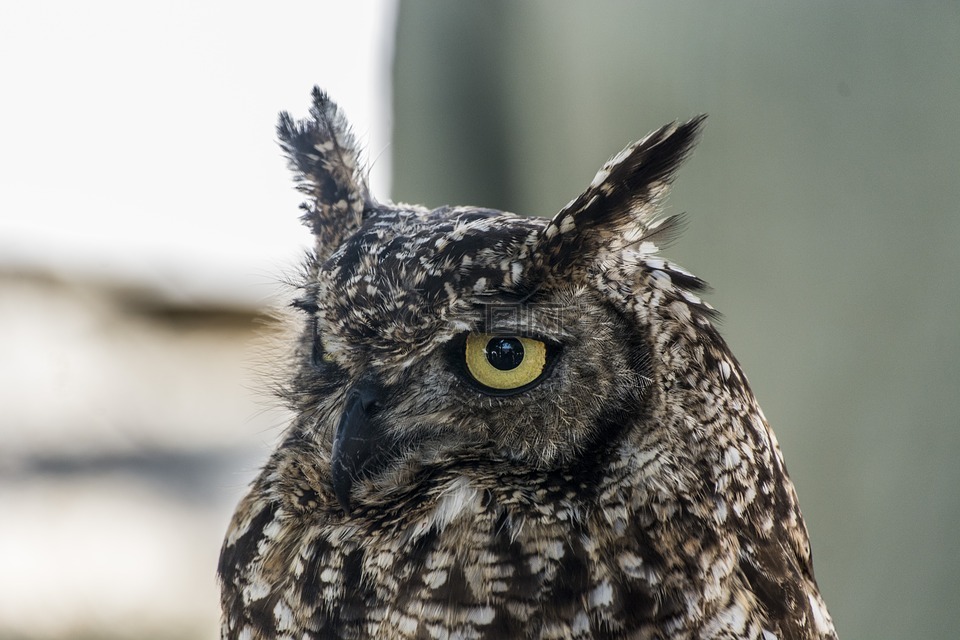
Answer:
(512, 427)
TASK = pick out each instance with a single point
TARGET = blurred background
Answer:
(147, 222)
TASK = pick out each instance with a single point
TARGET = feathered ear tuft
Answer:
(324, 157)
(619, 207)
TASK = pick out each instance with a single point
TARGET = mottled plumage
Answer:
(631, 489)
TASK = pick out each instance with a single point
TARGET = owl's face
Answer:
(459, 361)
(464, 333)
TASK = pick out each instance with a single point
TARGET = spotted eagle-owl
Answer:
(512, 427)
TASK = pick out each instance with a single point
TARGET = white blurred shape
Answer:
(101, 556)
(138, 141)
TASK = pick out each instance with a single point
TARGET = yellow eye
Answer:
(504, 362)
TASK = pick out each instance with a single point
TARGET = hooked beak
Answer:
(358, 440)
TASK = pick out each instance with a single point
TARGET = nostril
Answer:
(367, 395)
(369, 402)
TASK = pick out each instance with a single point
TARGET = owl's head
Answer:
(467, 336)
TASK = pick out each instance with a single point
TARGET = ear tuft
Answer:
(323, 155)
(619, 207)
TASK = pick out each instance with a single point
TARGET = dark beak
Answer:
(358, 444)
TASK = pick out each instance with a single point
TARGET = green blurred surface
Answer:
(823, 207)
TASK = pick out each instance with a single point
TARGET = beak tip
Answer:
(342, 481)
(344, 500)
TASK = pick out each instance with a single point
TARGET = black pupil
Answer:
(504, 353)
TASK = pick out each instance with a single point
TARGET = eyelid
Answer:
(514, 332)
(305, 305)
